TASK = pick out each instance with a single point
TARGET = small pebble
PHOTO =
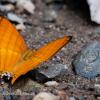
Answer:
(97, 88)
(52, 83)
(46, 96)
(72, 98)
(18, 92)
(14, 18)
(63, 95)
(81, 98)
(31, 86)
(98, 98)
(27, 5)
(97, 31)
(7, 97)
(49, 15)
(7, 7)
(20, 27)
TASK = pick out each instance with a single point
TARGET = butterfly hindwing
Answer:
(12, 45)
(39, 56)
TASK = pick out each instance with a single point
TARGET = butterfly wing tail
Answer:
(39, 56)
(47, 51)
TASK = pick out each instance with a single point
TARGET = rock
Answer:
(72, 98)
(27, 5)
(81, 98)
(98, 97)
(46, 96)
(15, 97)
(94, 6)
(7, 97)
(10, 1)
(7, 7)
(97, 31)
(63, 95)
(20, 27)
(14, 18)
(26, 96)
(53, 70)
(97, 88)
(52, 83)
(87, 62)
(49, 15)
(18, 92)
(19, 95)
(31, 86)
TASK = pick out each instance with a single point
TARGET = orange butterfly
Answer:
(15, 58)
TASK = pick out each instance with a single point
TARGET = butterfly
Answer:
(16, 58)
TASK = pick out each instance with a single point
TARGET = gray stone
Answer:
(53, 70)
(87, 62)
(49, 15)
(31, 86)
(7, 7)
(81, 98)
(72, 98)
(97, 31)
(97, 88)
(7, 97)
(13, 17)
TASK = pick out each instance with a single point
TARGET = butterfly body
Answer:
(15, 58)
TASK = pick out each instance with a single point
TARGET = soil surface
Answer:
(72, 19)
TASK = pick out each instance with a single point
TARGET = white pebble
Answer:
(46, 96)
(7, 7)
(20, 27)
(27, 5)
(97, 86)
(15, 18)
(51, 83)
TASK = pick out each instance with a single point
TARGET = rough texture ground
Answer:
(72, 19)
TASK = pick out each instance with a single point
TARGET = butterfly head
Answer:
(5, 77)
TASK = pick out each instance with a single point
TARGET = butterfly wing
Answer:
(12, 45)
(39, 56)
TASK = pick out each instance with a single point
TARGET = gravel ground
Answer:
(71, 19)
